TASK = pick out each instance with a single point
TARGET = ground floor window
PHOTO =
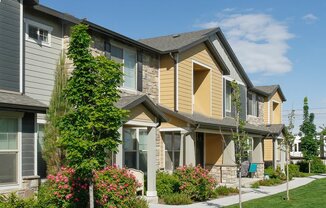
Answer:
(135, 148)
(172, 142)
(8, 150)
(41, 164)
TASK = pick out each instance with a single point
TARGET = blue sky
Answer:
(277, 42)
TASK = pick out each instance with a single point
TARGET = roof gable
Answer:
(269, 91)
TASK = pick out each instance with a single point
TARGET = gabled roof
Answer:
(269, 90)
(131, 101)
(211, 123)
(178, 42)
(16, 101)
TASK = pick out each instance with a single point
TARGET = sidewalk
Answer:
(248, 195)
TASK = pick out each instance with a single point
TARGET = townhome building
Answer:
(176, 87)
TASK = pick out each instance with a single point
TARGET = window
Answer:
(8, 150)
(38, 33)
(135, 148)
(172, 141)
(252, 105)
(128, 58)
(228, 96)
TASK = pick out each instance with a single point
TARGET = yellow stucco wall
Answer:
(167, 81)
(200, 54)
(140, 113)
(268, 149)
(214, 149)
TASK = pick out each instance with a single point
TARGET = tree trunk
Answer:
(287, 174)
(240, 201)
(91, 195)
(309, 165)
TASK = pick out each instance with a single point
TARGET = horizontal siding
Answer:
(167, 82)
(28, 144)
(202, 55)
(268, 150)
(266, 111)
(9, 45)
(41, 61)
(140, 113)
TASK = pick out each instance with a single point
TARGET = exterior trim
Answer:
(21, 47)
(141, 123)
(35, 143)
(177, 82)
(39, 25)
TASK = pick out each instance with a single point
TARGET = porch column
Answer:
(275, 156)
(190, 149)
(257, 156)
(151, 166)
(182, 148)
(283, 156)
(229, 151)
(119, 154)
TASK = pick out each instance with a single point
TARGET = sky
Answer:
(277, 42)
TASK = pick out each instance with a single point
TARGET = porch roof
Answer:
(211, 123)
(131, 101)
(20, 102)
(276, 129)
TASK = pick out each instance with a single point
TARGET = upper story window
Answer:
(252, 105)
(38, 33)
(228, 97)
(128, 58)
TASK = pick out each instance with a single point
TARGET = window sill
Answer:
(38, 42)
(128, 90)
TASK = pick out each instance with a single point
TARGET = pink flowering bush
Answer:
(114, 187)
(196, 182)
(65, 189)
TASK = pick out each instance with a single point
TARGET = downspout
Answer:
(175, 60)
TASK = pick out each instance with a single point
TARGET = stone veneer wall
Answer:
(260, 170)
(260, 119)
(223, 174)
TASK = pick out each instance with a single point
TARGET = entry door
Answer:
(200, 149)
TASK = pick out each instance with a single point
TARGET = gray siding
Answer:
(41, 61)
(28, 144)
(9, 45)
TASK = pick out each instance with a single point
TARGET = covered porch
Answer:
(138, 136)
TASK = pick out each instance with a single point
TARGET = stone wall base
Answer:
(260, 170)
(30, 186)
(223, 174)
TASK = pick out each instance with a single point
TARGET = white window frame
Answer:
(228, 108)
(137, 151)
(124, 48)
(17, 116)
(38, 26)
(173, 151)
(254, 105)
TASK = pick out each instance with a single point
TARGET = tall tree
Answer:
(240, 136)
(90, 127)
(288, 142)
(53, 155)
(309, 144)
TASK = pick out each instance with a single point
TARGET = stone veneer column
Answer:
(119, 154)
(229, 167)
(190, 149)
(151, 167)
(257, 156)
(229, 151)
(182, 148)
(275, 147)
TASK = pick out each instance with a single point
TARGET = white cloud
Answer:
(310, 18)
(259, 41)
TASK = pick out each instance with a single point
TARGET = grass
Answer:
(311, 195)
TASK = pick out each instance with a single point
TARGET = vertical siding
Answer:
(41, 61)
(9, 45)
(202, 55)
(214, 149)
(28, 144)
(167, 82)
(268, 150)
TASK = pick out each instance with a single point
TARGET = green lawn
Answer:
(311, 195)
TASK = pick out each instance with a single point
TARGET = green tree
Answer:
(240, 136)
(53, 155)
(288, 142)
(309, 144)
(90, 128)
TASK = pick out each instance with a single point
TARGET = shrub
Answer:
(317, 165)
(13, 201)
(268, 182)
(177, 199)
(137, 203)
(65, 189)
(114, 187)
(275, 173)
(166, 184)
(303, 166)
(225, 191)
(293, 171)
(195, 182)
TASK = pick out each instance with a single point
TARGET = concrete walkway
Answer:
(248, 195)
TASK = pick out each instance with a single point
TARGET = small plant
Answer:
(293, 171)
(14, 201)
(137, 203)
(177, 199)
(225, 191)
(166, 183)
(196, 182)
(317, 165)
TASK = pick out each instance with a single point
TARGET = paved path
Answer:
(248, 195)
